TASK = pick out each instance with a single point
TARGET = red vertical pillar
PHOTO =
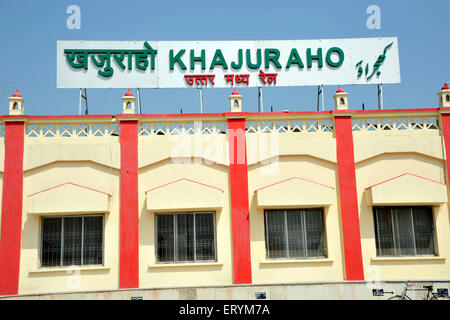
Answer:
(348, 197)
(445, 124)
(129, 205)
(242, 269)
(11, 229)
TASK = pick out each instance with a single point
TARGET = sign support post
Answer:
(79, 104)
(320, 93)
(85, 99)
(380, 96)
(139, 100)
(323, 101)
(260, 100)
(201, 100)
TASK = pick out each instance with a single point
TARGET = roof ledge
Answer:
(184, 194)
(295, 192)
(67, 198)
(407, 188)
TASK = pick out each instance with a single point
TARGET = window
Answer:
(183, 237)
(404, 231)
(69, 241)
(295, 233)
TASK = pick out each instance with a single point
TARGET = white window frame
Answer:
(175, 248)
(377, 239)
(62, 239)
(286, 236)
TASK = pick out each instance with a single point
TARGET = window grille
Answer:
(184, 237)
(404, 231)
(72, 241)
(295, 233)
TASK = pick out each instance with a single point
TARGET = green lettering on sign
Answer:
(258, 59)
(218, 60)
(310, 57)
(79, 58)
(240, 61)
(268, 57)
(201, 59)
(339, 52)
(294, 58)
(152, 55)
(176, 59)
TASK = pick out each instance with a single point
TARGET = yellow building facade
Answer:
(155, 201)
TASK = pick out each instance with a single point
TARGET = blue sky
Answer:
(29, 30)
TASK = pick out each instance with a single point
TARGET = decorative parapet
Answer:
(150, 127)
(71, 128)
(290, 123)
(304, 123)
(398, 121)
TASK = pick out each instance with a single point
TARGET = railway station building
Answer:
(138, 201)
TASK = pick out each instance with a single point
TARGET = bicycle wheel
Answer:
(397, 298)
(440, 297)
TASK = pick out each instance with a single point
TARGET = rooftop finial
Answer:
(235, 101)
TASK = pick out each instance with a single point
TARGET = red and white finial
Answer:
(16, 104)
(445, 86)
(128, 103)
(340, 99)
(235, 101)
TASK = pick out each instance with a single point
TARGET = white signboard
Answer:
(226, 64)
